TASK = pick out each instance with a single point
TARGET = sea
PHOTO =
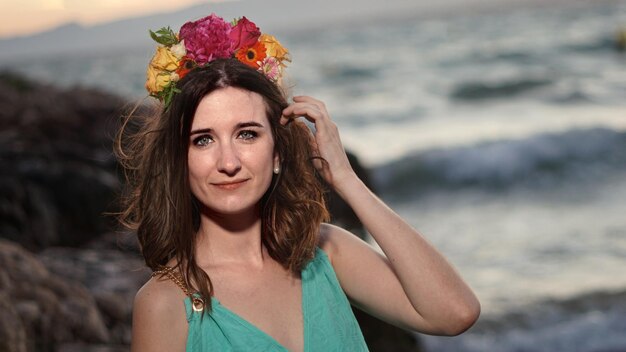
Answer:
(500, 134)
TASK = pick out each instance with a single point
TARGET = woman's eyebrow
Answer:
(249, 124)
(239, 126)
(202, 130)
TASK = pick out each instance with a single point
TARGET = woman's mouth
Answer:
(230, 185)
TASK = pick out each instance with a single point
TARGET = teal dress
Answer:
(329, 324)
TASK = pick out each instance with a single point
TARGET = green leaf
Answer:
(167, 94)
(164, 36)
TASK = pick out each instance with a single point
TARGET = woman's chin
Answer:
(229, 210)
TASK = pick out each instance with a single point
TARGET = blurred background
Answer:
(497, 128)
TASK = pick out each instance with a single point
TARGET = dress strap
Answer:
(176, 277)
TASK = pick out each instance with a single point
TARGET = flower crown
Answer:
(207, 39)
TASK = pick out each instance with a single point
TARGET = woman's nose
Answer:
(228, 161)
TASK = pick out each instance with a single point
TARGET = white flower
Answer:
(179, 50)
(174, 77)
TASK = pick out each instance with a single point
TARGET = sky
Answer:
(24, 17)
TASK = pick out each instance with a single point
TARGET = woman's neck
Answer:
(224, 239)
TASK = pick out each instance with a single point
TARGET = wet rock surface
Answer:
(51, 309)
(57, 171)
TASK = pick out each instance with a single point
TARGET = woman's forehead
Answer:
(230, 106)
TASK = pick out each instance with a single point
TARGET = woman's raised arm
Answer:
(412, 286)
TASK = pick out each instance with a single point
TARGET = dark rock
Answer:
(384, 337)
(50, 309)
(112, 276)
(12, 332)
(57, 172)
(122, 241)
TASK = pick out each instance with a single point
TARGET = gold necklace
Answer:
(197, 303)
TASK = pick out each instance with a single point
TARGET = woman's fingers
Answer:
(327, 141)
(314, 111)
(307, 107)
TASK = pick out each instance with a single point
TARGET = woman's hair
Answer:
(158, 203)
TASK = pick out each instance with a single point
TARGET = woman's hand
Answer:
(335, 167)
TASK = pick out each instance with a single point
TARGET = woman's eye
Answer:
(247, 135)
(202, 141)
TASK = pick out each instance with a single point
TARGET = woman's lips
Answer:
(230, 185)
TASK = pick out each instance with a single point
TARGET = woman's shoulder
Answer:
(334, 240)
(159, 311)
(160, 292)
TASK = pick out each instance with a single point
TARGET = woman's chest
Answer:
(269, 301)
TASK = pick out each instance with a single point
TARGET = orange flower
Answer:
(252, 55)
(184, 66)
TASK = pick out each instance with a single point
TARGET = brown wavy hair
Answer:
(158, 204)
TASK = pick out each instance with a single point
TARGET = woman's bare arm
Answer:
(413, 285)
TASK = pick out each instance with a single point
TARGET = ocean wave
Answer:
(482, 58)
(480, 90)
(348, 72)
(540, 160)
(591, 322)
(572, 96)
(598, 45)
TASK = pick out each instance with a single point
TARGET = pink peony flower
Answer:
(207, 39)
(244, 34)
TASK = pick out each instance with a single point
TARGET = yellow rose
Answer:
(163, 59)
(158, 74)
(156, 80)
(273, 48)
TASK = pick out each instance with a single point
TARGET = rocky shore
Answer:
(67, 278)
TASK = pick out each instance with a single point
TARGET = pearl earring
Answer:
(276, 170)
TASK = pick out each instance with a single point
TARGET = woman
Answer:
(229, 213)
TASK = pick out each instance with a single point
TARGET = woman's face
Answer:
(231, 151)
